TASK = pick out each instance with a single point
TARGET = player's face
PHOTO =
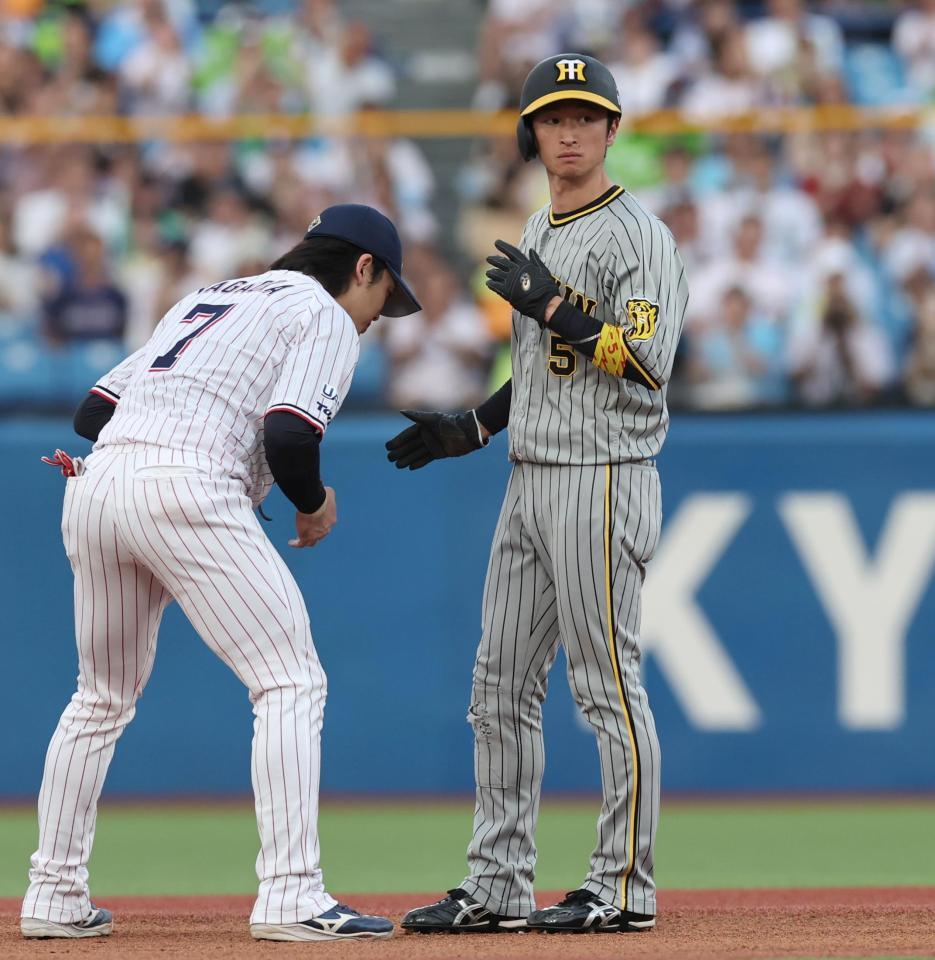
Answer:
(365, 298)
(573, 138)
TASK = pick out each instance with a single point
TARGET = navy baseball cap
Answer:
(375, 234)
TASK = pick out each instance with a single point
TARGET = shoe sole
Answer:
(35, 929)
(502, 926)
(641, 927)
(291, 933)
(638, 926)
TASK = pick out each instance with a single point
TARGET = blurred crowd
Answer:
(811, 256)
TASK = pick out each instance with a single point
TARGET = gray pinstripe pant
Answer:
(567, 565)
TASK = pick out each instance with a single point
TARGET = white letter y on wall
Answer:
(869, 600)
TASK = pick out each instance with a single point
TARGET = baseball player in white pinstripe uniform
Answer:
(599, 295)
(235, 390)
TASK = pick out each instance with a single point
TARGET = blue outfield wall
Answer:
(787, 624)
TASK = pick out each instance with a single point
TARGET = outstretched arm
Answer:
(494, 412)
(435, 436)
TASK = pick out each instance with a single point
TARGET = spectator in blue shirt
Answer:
(90, 306)
(735, 358)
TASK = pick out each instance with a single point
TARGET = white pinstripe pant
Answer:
(144, 525)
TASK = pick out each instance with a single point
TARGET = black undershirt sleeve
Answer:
(292, 452)
(494, 412)
(582, 332)
(576, 328)
(92, 416)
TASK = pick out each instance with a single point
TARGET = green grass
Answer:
(202, 849)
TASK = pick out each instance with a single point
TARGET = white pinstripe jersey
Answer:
(222, 358)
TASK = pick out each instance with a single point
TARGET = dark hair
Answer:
(330, 261)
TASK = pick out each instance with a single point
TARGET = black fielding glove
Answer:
(524, 282)
(434, 436)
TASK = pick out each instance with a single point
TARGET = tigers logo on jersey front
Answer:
(641, 319)
(571, 71)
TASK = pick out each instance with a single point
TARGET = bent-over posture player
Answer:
(234, 390)
(599, 293)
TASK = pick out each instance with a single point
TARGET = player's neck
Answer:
(568, 194)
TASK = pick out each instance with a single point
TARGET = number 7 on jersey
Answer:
(211, 313)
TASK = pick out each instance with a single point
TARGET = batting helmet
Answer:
(567, 76)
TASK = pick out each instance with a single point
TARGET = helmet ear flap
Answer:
(525, 139)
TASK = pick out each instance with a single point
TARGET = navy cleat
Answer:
(584, 912)
(458, 912)
(98, 923)
(341, 922)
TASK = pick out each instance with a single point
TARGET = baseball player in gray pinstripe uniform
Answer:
(599, 294)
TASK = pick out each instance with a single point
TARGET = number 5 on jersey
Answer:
(562, 359)
(211, 313)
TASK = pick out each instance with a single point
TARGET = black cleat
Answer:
(458, 912)
(583, 912)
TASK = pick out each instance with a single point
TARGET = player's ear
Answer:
(612, 129)
(364, 269)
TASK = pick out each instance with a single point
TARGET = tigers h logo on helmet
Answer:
(567, 76)
(571, 70)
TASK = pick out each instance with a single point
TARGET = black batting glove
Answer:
(434, 436)
(524, 282)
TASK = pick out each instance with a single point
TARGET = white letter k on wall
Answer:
(675, 630)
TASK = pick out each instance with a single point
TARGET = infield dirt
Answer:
(694, 925)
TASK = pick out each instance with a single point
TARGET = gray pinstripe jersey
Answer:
(619, 263)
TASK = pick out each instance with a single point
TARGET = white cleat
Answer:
(338, 923)
(98, 923)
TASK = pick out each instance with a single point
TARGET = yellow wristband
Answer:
(610, 354)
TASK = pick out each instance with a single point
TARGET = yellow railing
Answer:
(429, 123)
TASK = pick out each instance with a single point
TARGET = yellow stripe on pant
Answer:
(612, 649)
